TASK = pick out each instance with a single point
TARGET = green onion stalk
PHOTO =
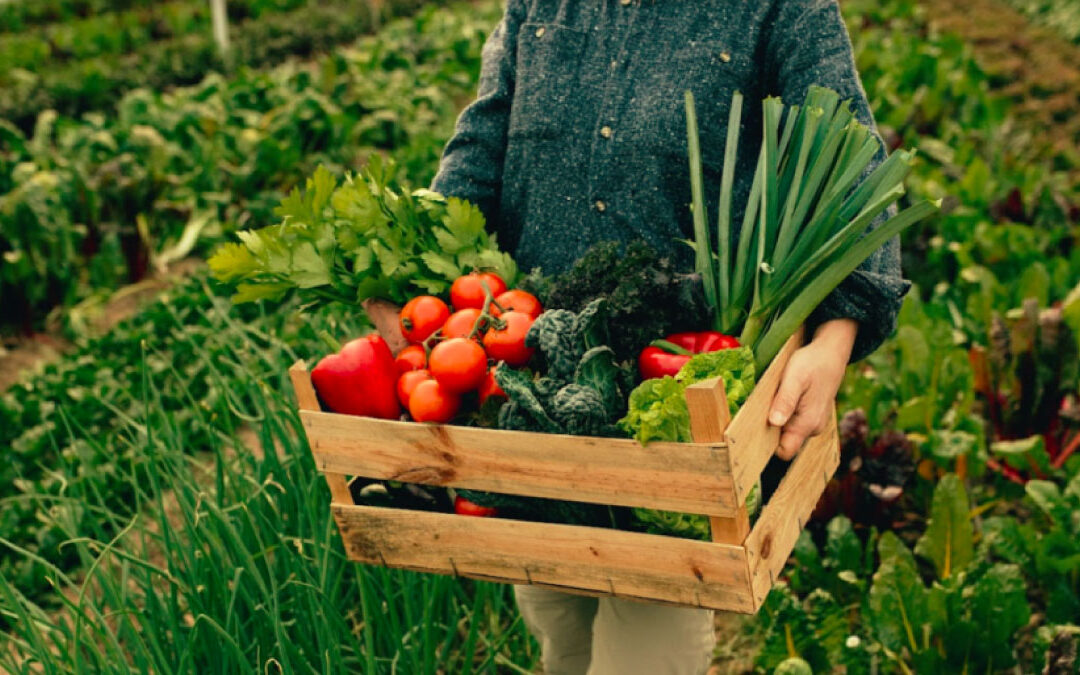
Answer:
(806, 225)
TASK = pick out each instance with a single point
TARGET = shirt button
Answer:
(606, 131)
(540, 31)
(625, 2)
(600, 205)
(725, 57)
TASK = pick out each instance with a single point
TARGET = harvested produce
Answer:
(458, 364)
(408, 382)
(646, 295)
(463, 507)
(517, 300)
(366, 238)
(431, 402)
(422, 316)
(490, 387)
(413, 357)
(470, 291)
(462, 323)
(667, 356)
(506, 342)
(806, 218)
(360, 379)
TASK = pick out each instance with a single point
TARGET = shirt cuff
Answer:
(870, 298)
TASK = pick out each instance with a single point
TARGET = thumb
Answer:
(787, 398)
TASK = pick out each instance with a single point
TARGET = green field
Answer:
(159, 507)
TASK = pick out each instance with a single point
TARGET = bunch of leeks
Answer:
(805, 226)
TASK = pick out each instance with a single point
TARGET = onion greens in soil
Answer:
(805, 224)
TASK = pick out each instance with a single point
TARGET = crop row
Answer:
(1062, 16)
(94, 84)
(116, 33)
(21, 15)
(89, 204)
(394, 92)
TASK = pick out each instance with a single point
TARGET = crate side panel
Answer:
(577, 559)
(686, 477)
(783, 518)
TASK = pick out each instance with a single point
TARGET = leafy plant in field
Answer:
(89, 204)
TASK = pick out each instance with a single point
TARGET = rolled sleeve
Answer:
(472, 163)
(808, 45)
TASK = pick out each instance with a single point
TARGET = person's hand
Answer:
(809, 385)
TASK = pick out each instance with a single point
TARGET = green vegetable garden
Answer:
(227, 287)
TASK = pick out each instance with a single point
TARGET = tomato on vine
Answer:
(412, 357)
(491, 387)
(431, 402)
(517, 300)
(458, 364)
(467, 292)
(408, 382)
(506, 342)
(422, 316)
(461, 323)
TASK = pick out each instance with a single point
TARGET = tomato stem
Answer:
(329, 341)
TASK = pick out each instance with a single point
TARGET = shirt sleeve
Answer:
(808, 44)
(472, 163)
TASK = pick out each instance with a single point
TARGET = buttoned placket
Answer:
(603, 145)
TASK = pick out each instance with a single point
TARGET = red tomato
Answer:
(508, 343)
(430, 402)
(459, 365)
(468, 291)
(412, 357)
(490, 387)
(463, 507)
(406, 384)
(422, 316)
(461, 323)
(518, 301)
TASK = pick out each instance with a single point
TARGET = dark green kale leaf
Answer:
(647, 295)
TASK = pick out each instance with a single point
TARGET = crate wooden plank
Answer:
(582, 559)
(774, 535)
(750, 437)
(687, 477)
(306, 399)
(709, 418)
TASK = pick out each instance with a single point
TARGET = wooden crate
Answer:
(710, 476)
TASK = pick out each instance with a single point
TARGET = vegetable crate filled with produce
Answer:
(712, 476)
(602, 431)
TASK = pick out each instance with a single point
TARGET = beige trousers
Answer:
(607, 636)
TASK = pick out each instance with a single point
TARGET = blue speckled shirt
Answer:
(578, 132)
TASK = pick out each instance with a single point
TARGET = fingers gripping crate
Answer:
(711, 476)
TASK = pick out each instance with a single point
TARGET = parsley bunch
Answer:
(366, 238)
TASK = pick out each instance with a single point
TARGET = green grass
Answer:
(229, 560)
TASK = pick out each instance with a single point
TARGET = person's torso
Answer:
(596, 146)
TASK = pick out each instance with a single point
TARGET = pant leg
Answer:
(633, 638)
(563, 625)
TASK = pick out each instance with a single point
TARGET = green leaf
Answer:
(898, 600)
(999, 608)
(842, 546)
(261, 291)
(441, 265)
(948, 540)
(1024, 453)
(308, 268)
(232, 261)
(1047, 496)
(948, 445)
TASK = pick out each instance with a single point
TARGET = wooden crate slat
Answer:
(783, 517)
(687, 477)
(752, 440)
(582, 559)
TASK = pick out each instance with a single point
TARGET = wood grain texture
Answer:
(750, 437)
(709, 419)
(384, 316)
(774, 535)
(585, 560)
(305, 391)
(308, 401)
(686, 477)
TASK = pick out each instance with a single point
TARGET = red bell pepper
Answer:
(667, 356)
(361, 379)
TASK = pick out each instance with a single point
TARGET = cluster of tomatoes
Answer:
(454, 352)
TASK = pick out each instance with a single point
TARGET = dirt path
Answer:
(1033, 65)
